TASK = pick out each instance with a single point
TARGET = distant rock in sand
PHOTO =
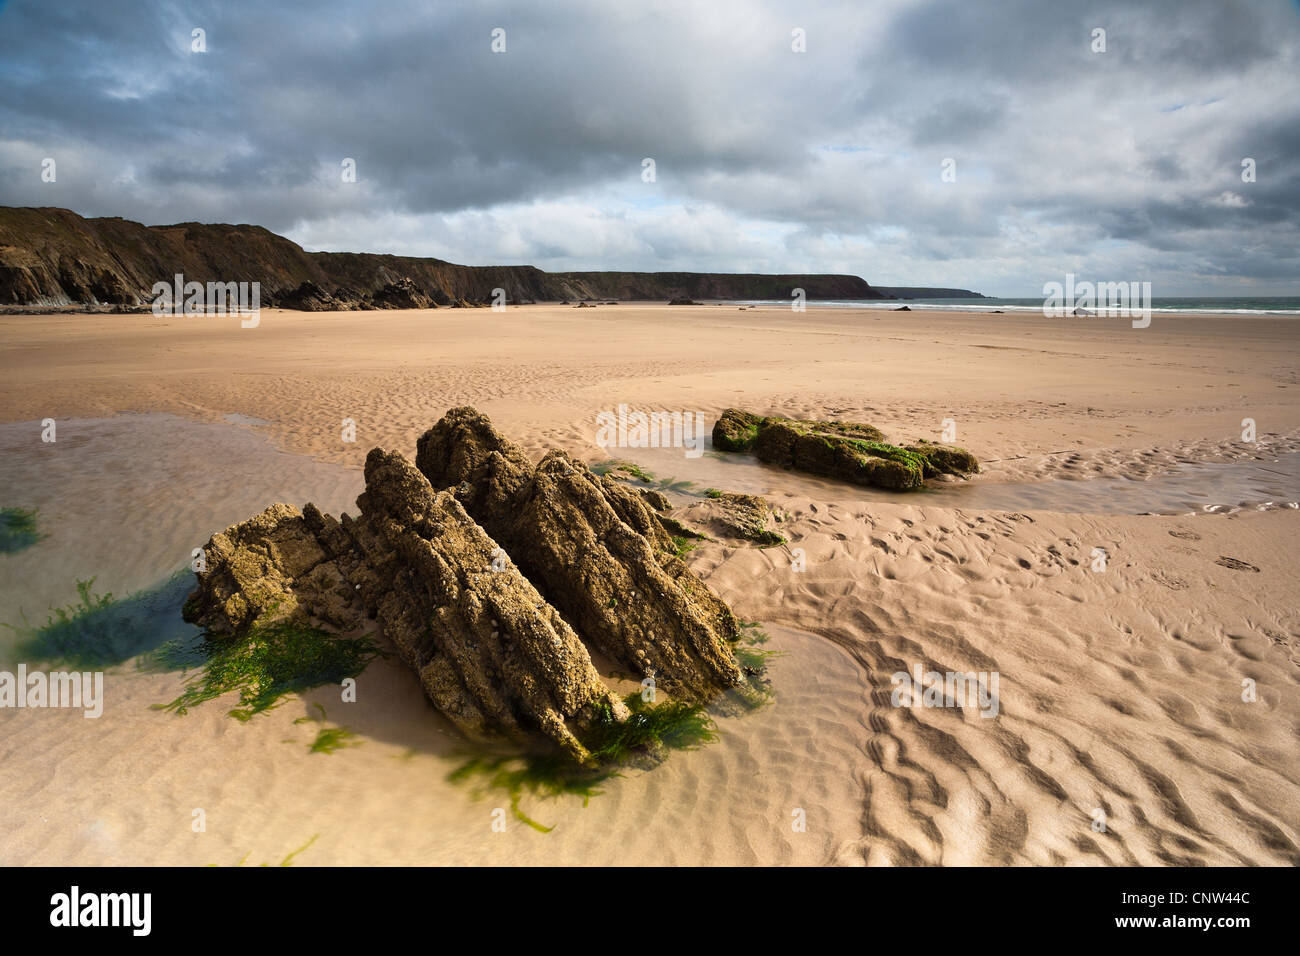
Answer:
(309, 297)
(904, 308)
(402, 294)
(491, 648)
(850, 451)
(683, 300)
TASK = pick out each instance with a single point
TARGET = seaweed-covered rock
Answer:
(594, 549)
(491, 654)
(849, 451)
(736, 430)
(744, 516)
(794, 444)
(945, 459)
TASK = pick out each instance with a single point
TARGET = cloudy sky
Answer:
(1122, 164)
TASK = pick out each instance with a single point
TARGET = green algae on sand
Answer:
(18, 529)
(274, 659)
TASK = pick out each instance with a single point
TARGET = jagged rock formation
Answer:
(309, 297)
(491, 654)
(53, 257)
(849, 451)
(495, 653)
(402, 294)
(594, 549)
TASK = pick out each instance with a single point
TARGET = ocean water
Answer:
(1242, 305)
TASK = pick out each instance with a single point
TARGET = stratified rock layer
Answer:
(492, 655)
(594, 549)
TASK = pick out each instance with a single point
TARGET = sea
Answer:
(1242, 305)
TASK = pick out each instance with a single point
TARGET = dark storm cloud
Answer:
(766, 159)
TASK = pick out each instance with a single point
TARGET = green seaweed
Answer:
(682, 547)
(914, 463)
(273, 660)
(287, 861)
(636, 471)
(675, 724)
(328, 739)
(100, 631)
(18, 529)
(613, 465)
(756, 691)
(672, 484)
(679, 529)
(648, 733)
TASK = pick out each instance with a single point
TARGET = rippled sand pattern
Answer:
(1120, 689)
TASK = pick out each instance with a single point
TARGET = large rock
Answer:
(849, 451)
(800, 445)
(492, 655)
(594, 549)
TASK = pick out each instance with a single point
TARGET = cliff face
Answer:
(711, 285)
(54, 257)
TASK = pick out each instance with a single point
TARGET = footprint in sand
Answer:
(1235, 564)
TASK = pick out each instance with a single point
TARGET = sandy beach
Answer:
(1121, 688)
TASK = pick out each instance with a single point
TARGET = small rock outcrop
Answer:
(849, 451)
(309, 297)
(402, 294)
(744, 516)
(595, 550)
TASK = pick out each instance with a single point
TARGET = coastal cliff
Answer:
(54, 257)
